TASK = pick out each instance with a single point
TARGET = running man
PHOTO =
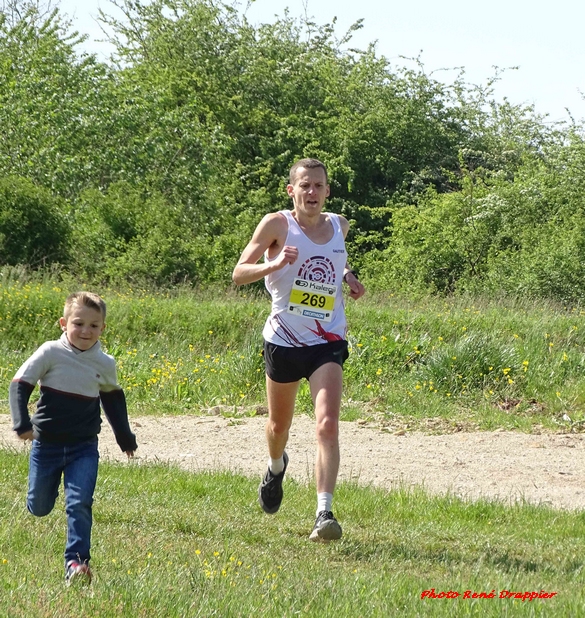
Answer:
(304, 266)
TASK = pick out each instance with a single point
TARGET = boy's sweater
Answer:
(72, 384)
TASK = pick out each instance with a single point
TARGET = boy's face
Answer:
(83, 326)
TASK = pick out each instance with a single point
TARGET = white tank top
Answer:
(307, 303)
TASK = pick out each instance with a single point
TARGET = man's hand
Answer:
(288, 255)
(27, 435)
(356, 288)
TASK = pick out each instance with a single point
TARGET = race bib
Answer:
(310, 299)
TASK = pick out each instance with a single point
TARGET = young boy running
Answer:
(74, 377)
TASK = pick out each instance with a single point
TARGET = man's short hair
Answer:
(307, 164)
(85, 299)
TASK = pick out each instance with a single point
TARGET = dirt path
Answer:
(547, 468)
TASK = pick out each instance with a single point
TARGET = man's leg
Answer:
(326, 387)
(281, 405)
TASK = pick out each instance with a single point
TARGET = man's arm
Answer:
(356, 288)
(271, 232)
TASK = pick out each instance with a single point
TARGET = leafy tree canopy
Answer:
(166, 156)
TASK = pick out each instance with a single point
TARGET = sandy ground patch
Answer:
(546, 468)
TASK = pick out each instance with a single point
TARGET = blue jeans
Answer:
(78, 464)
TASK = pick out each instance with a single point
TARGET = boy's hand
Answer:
(130, 454)
(27, 435)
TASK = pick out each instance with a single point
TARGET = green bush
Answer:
(127, 235)
(434, 244)
(33, 230)
(520, 236)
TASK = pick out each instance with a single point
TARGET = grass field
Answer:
(441, 363)
(171, 543)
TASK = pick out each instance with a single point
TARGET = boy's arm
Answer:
(19, 395)
(114, 406)
(21, 388)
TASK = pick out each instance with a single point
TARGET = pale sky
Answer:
(543, 39)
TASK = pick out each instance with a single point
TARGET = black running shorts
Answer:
(284, 364)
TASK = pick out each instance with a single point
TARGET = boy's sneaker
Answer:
(270, 490)
(326, 528)
(77, 571)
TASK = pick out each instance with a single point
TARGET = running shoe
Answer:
(270, 490)
(77, 571)
(326, 528)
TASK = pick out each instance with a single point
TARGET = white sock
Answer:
(324, 501)
(276, 465)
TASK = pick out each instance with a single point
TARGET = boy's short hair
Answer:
(86, 299)
(308, 164)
